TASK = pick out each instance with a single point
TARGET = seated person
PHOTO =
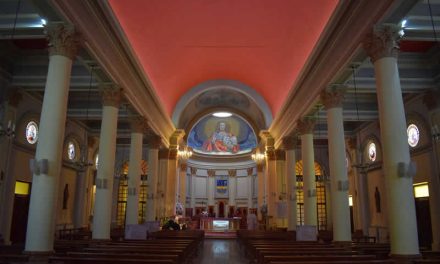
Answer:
(171, 225)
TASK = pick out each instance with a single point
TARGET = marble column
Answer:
(107, 152)
(63, 45)
(280, 186)
(153, 172)
(289, 144)
(172, 190)
(232, 187)
(211, 189)
(432, 102)
(270, 177)
(250, 173)
(381, 46)
(162, 182)
(182, 184)
(79, 219)
(338, 166)
(193, 189)
(138, 126)
(305, 129)
(261, 188)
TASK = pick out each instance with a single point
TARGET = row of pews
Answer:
(274, 247)
(171, 247)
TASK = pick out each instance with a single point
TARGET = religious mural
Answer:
(222, 136)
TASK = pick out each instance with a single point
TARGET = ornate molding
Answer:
(306, 126)
(211, 173)
(381, 42)
(173, 154)
(63, 40)
(250, 171)
(333, 98)
(111, 95)
(232, 173)
(270, 154)
(290, 142)
(183, 166)
(193, 170)
(138, 124)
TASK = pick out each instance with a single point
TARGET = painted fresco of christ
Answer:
(221, 140)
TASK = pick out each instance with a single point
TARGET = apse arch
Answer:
(214, 85)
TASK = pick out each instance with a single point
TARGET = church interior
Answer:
(285, 131)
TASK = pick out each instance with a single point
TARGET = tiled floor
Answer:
(220, 251)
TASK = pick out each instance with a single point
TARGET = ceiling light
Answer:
(43, 22)
(222, 114)
(403, 23)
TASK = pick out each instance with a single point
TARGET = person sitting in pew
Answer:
(171, 225)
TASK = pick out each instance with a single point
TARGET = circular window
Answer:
(413, 135)
(71, 150)
(372, 151)
(32, 132)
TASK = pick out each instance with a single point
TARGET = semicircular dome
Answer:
(230, 135)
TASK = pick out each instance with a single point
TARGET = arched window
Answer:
(320, 195)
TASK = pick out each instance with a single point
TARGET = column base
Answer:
(405, 259)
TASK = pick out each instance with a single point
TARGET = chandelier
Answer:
(184, 154)
(258, 157)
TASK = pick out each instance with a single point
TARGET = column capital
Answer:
(280, 154)
(268, 139)
(183, 166)
(111, 94)
(138, 124)
(193, 170)
(306, 126)
(63, 40)
(154, 141)
(290, 142)
(250, 171)
(333, 97)
(211, 173)
(232, 173)
(172, 153)
(270, 154)
(381, 42)
(164, 153)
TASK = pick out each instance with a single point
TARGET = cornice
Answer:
(340, 40)
(106, 42)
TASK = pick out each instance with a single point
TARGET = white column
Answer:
(182, 184)
(80, 199)
(305, 128)
(193, 189)
(432, 102)
(338, 166)
(250, 172)
(290, 145)
(381, 47)
(138, 125)
(153, 163)
(40, 227)
(171, 191)
(232, 187)
(211, 187)
(107, 152)
(260, 186)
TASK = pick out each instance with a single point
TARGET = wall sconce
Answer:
(184, 154)
(39, 167)
(258, 157)
(9, 131)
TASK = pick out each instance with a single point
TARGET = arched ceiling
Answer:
(263, 44)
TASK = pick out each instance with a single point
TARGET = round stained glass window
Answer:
(372, 151)
(413, 135)
(32, 132)
(71, 150)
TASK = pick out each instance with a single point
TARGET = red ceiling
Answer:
(262, 43)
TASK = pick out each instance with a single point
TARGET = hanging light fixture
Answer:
(258, 157)
(184, 153)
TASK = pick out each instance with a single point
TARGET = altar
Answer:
(219, 224)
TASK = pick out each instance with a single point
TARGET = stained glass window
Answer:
(372, 151)
(32, 132)
(413, 135)
(71, 150)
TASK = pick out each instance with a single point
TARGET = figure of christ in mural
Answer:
(221, 140)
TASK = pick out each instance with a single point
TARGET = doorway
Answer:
(423, 222)
(20, 212)
(221, 209)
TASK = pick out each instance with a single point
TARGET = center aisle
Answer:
(220, 251)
